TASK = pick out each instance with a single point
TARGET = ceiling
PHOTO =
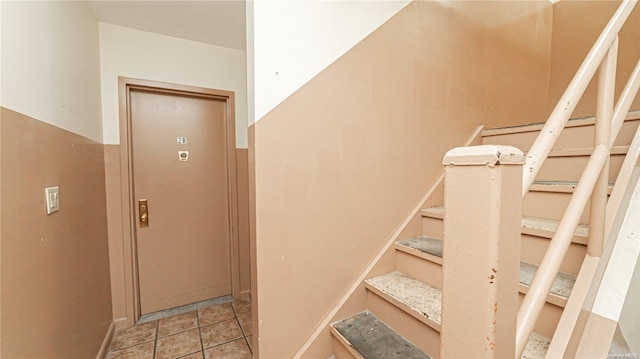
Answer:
(215, 22)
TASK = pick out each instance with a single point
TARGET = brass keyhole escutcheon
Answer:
(143, 213)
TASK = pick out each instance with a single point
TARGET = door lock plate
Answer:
(143, 213)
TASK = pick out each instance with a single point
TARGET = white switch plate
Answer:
(53, 199)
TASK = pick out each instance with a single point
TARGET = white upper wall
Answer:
(293, 41)
(138, 54)
(51, 64)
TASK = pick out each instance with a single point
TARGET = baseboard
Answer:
(122, 323)
(245, 295)
(104, 348)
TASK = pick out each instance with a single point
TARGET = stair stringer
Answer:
(354, 298)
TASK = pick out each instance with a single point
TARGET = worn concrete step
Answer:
(560, 289)
(423, 302)
(373, 339)
(536, 233)
(431, 248)
(558, 186)
(546, 228)
(535, 226)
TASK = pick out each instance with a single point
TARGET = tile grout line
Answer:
(155, 341)
(200, 333)
(156, 334)
(244, 334)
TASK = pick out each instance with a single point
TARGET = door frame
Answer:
(125, 85)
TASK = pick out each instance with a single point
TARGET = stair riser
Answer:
(533, 248)
(550, 205)
(340, 351)
(420, 269)
(570, 168)
(548, 320)
(433, 227)
(415, 331)
(571, 137)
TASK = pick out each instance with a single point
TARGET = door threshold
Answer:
(183, 309)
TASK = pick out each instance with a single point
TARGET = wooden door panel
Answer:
(183, 256)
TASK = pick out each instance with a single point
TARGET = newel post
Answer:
(481, 251)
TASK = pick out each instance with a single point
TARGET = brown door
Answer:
(180, 168)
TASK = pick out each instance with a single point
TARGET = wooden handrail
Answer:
(603, 55)
(569, 100)
(624, 102)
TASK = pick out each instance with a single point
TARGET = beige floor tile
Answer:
(197, 355)
(245, 323)
(242, 306)
(178, 345)
(236, 349)
(215, 314)
(177, 323)
(220, 333)
(142, 351)
(135, 335)
(250, 341)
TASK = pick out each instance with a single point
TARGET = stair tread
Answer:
(373, 339)
(551, 225)
(534, 127)
(416, 294)
(537, 347)
(428, 300)
(559, 186)
(424, 244)
(562, 285)
(536, 223)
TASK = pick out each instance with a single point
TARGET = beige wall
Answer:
(242, 176)
(343, 160)
(576, 26)
(56, 300)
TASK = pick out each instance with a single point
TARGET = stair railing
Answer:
(593, 182)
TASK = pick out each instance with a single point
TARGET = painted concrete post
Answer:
(481, 259)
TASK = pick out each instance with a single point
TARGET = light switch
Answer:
(53, 199)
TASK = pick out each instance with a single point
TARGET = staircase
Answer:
(402, 314)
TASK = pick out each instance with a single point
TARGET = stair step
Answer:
(560, 290)
(373, 339)
(424, 303)
(433, 212)
(422, 246)
(585, 151)
(415, 297)
(543, 227)
(537, 347)
(559, 186)
(535, 127)
(540, 227)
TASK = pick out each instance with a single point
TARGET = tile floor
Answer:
(219, 331)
